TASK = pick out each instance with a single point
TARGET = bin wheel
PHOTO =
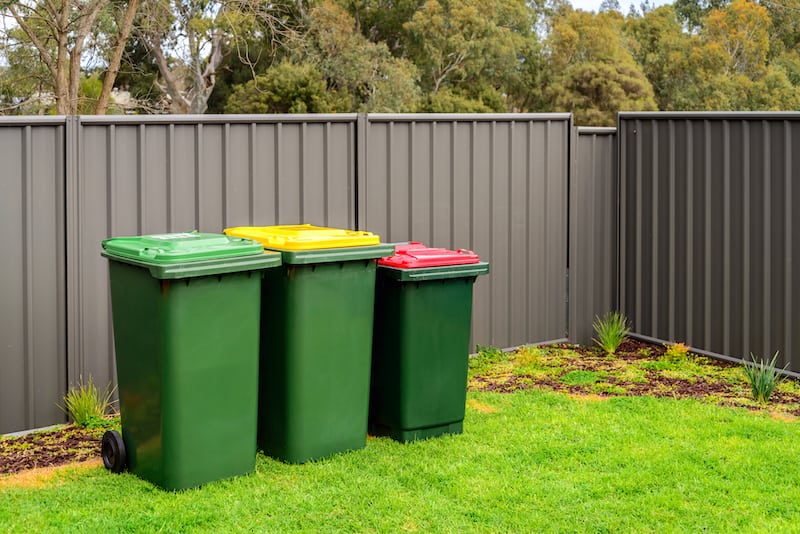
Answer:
(113, 451)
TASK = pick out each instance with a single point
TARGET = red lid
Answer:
(416, 255)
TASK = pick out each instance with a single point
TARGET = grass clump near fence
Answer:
(86, 405)
(763, 377)
(611, 331)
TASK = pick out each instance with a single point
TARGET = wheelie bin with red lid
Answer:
(423, 315)
(186, 310)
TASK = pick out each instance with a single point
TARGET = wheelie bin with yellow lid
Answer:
(315, 356)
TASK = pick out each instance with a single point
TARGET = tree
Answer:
(664, 52)
(366, 72)
(284, 88)
(464, 42)
(593, 74)
(61, 31)
(188, 40)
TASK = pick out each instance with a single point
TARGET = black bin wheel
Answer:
(113, 451)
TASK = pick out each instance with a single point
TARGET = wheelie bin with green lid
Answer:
(423, 315)
(186, 310)
(315, 359)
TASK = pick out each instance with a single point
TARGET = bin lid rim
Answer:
(180, 247)
(415, 255)
(305, 236)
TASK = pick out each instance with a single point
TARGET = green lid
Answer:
(181, 247)
(189, 254)
(435, 273)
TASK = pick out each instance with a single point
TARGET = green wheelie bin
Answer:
(423, 315)
(315, 357)
(186, 310)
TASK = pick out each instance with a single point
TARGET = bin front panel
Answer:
(421, 346)
(187, 364)
(315, 359)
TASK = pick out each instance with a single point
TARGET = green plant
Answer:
(763, 376)
(676, 352)
(528, 355)
(582, 378)
(611, 331)
(489, 352)
(86, 405)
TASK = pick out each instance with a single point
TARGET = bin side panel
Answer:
(138, 334)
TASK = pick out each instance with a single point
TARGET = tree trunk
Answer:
(116, 57)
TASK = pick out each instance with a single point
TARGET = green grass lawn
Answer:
(528, 461)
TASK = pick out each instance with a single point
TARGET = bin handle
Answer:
(465, 251)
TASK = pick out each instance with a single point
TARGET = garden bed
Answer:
(637, 369)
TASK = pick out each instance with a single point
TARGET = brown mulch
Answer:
(64, 445)
(656, 384)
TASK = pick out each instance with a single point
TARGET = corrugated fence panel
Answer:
(32, 285)
(141, 175)
(593, 230)
(708, 233)
(494, 183)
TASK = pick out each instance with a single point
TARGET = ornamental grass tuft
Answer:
(763, 377)
(611, 330)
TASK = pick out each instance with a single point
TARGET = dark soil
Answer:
(49, 448)
(719, 381)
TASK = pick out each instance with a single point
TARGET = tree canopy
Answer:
(437, 56)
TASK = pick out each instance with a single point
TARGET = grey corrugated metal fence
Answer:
(140, 175)
(593, 285)
(32, 272)
(709, 232)
(494, 183)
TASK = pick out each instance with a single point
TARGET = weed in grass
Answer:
(582, 378)
(611, 330)
(87, 406)
(676, 352)
(763, 377)
(608, 388)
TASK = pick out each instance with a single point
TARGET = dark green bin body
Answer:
(186, 340)
(421, 345)
(315, 356)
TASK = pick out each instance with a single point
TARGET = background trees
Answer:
(243, 56)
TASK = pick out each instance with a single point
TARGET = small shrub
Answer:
(676, 352)
(86, 405)
(763, 377)
(611, 330)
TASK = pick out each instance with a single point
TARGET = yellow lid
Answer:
(304, 237)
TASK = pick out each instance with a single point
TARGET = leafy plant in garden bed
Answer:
(763, 377)
(87, 406)
(611, 330)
